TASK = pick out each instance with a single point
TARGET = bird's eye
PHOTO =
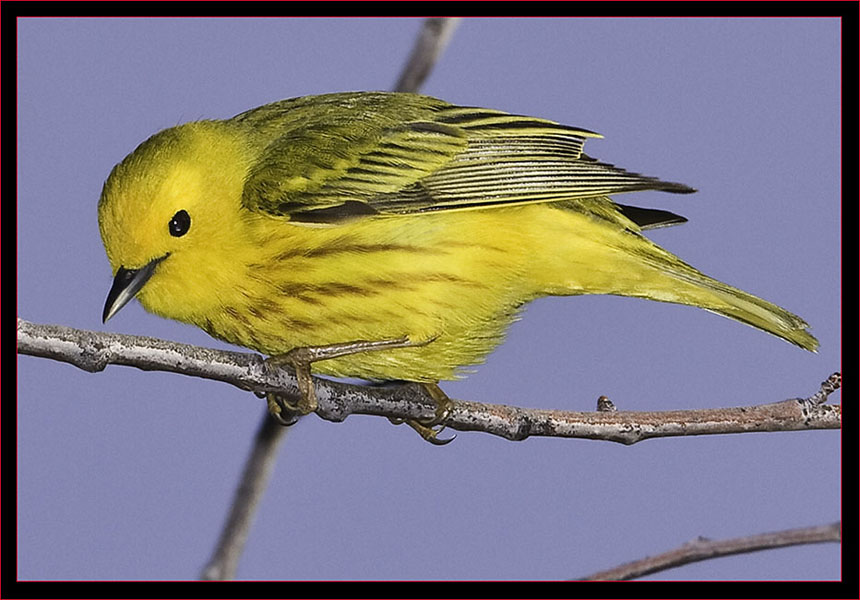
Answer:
(179, 224)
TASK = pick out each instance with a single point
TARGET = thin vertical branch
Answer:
(255, 478)
(432, 40)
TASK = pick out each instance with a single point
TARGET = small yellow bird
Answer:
(392, 218)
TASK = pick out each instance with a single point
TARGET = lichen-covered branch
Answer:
(703, 549)
(93, 351)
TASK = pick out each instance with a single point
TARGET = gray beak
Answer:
(126, 285)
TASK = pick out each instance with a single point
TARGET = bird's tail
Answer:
(602, 260)
(689, 286)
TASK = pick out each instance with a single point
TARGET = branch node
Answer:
(830, 385)
(604, 404)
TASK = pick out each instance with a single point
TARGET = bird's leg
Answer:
(427, 428)
(301, 359)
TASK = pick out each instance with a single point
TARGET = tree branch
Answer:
(93, 351)
(703, 549)
(434, 37)
(255, 477)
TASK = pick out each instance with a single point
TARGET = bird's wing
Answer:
(449, 158)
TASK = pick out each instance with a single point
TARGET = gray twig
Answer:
(255, 477)
(92, 351)
(703, 549)
(431, 42)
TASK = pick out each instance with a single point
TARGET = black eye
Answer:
(179, 224)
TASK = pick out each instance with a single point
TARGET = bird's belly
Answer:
(458, 293)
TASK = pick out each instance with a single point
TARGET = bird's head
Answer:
(169, 214)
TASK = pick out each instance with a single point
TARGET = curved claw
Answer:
(286, 422)
(281, 410)
(437, 442)
(427, 428)
(428, 433)
(291, 419)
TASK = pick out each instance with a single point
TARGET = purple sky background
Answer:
(128, 475)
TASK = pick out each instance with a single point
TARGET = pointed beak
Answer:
(126, 285)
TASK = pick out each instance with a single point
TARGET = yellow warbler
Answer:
(383, 216)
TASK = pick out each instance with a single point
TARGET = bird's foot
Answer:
(430, 429)
(285, 409)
